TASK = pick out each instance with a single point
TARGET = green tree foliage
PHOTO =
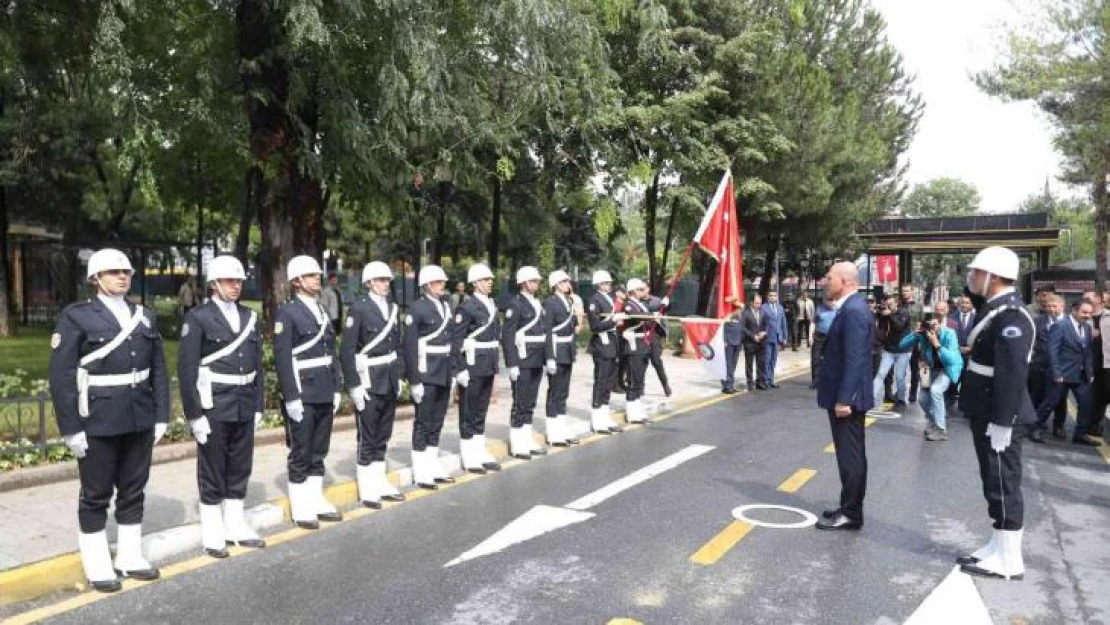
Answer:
(942, 197)
(1076, 219)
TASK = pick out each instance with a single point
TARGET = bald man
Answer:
(844, 389)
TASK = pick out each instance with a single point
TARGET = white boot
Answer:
(421, 476)
(1006, 562)
(564, 425)
(325, 511)
(607, 417)
(385, 489)
(488, 461)
(212, 530)
(236, 528)
(471, 461)
(97, 561)
(367, 487)
(634, 411)
(556, 435)
(129, 554)
(534, 448)
(518, 444)
(597, 421)
(436, 467)
(302, 505)
(981, 553)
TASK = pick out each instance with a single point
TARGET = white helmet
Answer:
(601, 277)
(1000, 261)
(478, 272)
(524, 274)
(556, 277)
(302, 266)
(225, 268)
(635, 284)
(108, 259)
(376, 270)
(431, 273)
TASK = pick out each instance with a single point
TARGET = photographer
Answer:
(894, 326)
(941, 365)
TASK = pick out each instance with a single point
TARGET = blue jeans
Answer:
(932, 400)
(900, 362)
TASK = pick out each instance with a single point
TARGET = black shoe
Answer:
(971, 569)
(751, 387)
(899, 404)
(560, 444)
(445, 480)
(250, 543)
(573, 441)
(106, 585)
(491, 466)
(839, 523)
(616, 429)
(1086, 440)
(143, 575)
(773, 385)
(330, 517)
(966, 560)
(761, 386)
(828, 514)
(1059, 432)
(393, 498)
(477, 470)
(427, 485)
(539, 451)
(219, 554)
(308, 525)
(1037, 436)
(522, 456)
(606, 432)
(373, 505)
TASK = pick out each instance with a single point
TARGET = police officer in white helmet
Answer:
(636, 349)
(219, 365)
(562, 327)
(111, 398)
(604, 347)
(431, 366)
(310, 379)
(372, 370)
(524, 343)
(477, 339)
(994, 396)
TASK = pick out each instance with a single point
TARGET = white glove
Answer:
(78, 444)
(619, 317)
(359, 397)
(159, 431)
(665, 302)
(257, 420)
(514, 373)
(294, 410)
(657, 315)
(1000, 436)
(400, 389)
(335, 402)
(463, 378)
(552, 367)
(201, 429)
(417, 393)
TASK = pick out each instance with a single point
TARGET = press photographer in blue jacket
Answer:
(942, 363)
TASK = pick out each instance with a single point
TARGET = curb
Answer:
(64, 572)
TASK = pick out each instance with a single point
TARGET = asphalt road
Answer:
(632, 559)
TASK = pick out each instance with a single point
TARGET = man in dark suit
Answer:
(751, 321)
(734, 343)
(776, 334)
(1040, 384)
(1071, 366)
(845, 391)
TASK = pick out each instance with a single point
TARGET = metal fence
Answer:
(24, 424)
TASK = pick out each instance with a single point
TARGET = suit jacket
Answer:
(846, 374)
(1070, 355)
(774, 324)
(751, 324)
(963, 330)
(1042, 323)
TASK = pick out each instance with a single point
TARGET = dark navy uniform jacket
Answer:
(85, 327)
(425, 318)
(638, 326)
(519, 315)
(204, 332)
(604, 340)
(471, 316)
(994, 386)
(295, 324)
(365, 323)
(563, 325)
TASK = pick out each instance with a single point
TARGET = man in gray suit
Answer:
(751, 322)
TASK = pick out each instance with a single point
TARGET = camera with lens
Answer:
(928, 325)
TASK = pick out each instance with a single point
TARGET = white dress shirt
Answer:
(314, 306)
(118, 306)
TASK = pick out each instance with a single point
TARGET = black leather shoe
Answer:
(967, 560)
(616, 429)
(1086, 440)
(250, 543)
(393, 498)
(308, 525)
(477, 470)
(522, 456)
(373, 505)
(761, 386)
(491, 466)
(219, 554)
(561, 444)
(606, 432)
(839, 523)
(330, 517)
(573, 441)
(427, 485)
(773, 385)
(106, 585)
(971, 569)
(828, 514)
(1037, 436)
(1059, 432)
(539, 451)
(143, 575)
(445, 480)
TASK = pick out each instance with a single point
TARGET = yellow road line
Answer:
(1104, 449)
(720, 544)
(624, 621)
(868, 422)
(830, 448)
(796, 481)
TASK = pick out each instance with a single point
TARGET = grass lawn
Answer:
(30, 352)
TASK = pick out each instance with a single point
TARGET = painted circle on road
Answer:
(808, 518)
(884, 414)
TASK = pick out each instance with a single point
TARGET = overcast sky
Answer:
(1004, 149)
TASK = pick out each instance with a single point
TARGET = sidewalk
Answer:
(40, 523)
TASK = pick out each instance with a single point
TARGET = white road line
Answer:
(638, 477)
(955, 600)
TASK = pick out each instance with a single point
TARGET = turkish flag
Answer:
(719, 236)
(887, 268)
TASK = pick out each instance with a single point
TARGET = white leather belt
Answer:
(308, 363)
(563, 339)
(424, 349)
(232, 379)
(470, 347)
(86, 381)
(631, 337)
(205, 380)
(982, 370)
(363, 365)
(486, 345)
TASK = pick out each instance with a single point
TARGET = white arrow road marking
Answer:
(543, 519)
(955, 600)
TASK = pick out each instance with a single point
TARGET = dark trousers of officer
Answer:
(526, 390)
(915, 373)
(430, 413)
(375, 427)
(1057, 398)
(801, 330)
(753, 353)
(637, 371)
(308, 441)
(473, 407)
(622, 374)
(732, 358)
(655, 357)
(558, 390)
(119, 464)
(817, 357)
(224, 462)
(605, 376)
(1001, 476)
(851, 460)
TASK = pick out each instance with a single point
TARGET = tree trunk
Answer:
(1102, 216)
(255, 189)
(768, 267)
(707, 278)
(441, 227)
(668, 240)
(6, 326)
(651, 205)
(495, 222)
